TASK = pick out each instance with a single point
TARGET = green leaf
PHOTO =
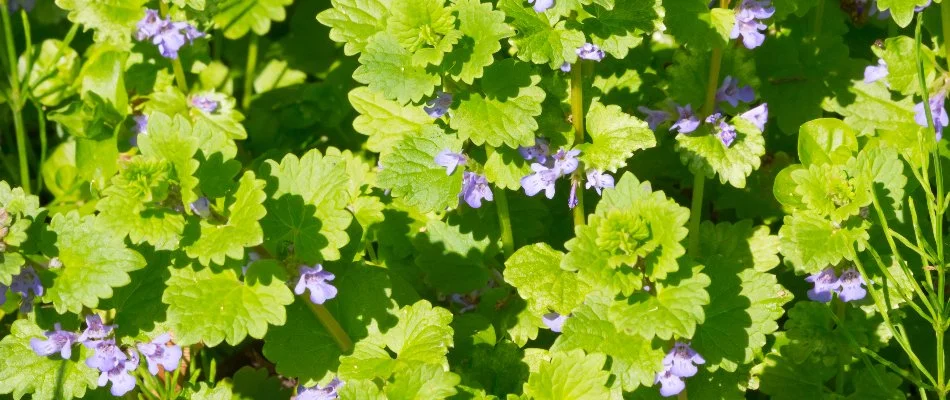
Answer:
(505, 111)
(354, 22)
(830, 191)
(826, 140)
(95, 260)
(676, 309)
(814, 337)
(536, 272)
(615, 135)
(505, 167)
(386, 122)
(483, 28)
(618, 28)
(210, 307)
(876, 384)
(138, 306)
(311, 192)
(422, 381)
(453, 261)
(424, 27)
(113, 20)
(218, 242)
(237, 17)
(387, 67)
(132, 205)
(811, 242)
(784, 380)
(311, 359)
(705, 154)
(277, 74)
(16, 202)
(22, 372)
(901, 10)
(882, 167)
(869, 107)
(540, 39)
(411, 173)
(569, 375)
(172, 140)
(634, 360)
(253, 384)
(744, 303)
(693, 24)
(64, 69)
(635, 232)
(900, 55)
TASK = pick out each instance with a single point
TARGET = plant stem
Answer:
(16, 101)
(844, 350)
(41, 121)
(339, 335)
(507, 238)
(699, 181)
(577, 118)
(249, 71)
(180, 78)
(50, 70)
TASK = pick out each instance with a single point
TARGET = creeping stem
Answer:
(699, 181)
(577, 118)
(504, 218)
(339, 335)
(249, 73)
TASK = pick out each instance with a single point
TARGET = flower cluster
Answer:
(848, 286)
(748, 22)
(937, 111)
(167, 35)
(474, 186)
(28, 285)
(687, 121)
(439, 105)
(114, 364)
(679, 363)
(317, 392)
(318, 281)
(588, 51)
(548, 168)
(205, 103)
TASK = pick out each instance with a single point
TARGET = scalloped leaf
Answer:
(536, 272)
(411, 173)
(22, 372)
(218, 242)
(505, 111)
(704, 153)
(676, 309)
(131, 206)
(171, 139)
(387, 67)
(615, 135)
(386, 122)
(113, 20)
(810, 242)
(354, 22)
(569, 375)
(483, 28)
(237, 17)
(95, 260)
(541, 39)
(211, 307)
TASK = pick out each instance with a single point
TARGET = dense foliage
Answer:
(474, 199)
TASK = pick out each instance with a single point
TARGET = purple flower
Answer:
(474, 189)
(572, 198)
(758, 116)
(118, 374)
(681, 359)
(468, 302)
(851, 282)
(158, 353)
(713, 118)
(317, 280)
(95, 330)
(590, 51)
(826, 283)
(3, 294)
(731, 93)
(566, 67)
(538, 152)
(541, 5)
(941, 120)
(438, 106)
(29, 286)
(204, 103)
(670, 384)
(599, 180)
(874, 73)
(107, 355)
(554, 321)
(169, 38)
(148, 26)
(655, 117)
(318, 392)
(747, 22)
(57, 341)
(450, 160)
(687, 121)
(192, 33)
(726, 134)
(542, 178)
(565, 162)
(201, 207)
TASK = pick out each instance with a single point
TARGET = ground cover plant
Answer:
(474, 199)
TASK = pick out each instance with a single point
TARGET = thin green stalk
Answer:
(371, 252)
(336, 331)
(699, 181)
(41, 121)
(504, 218)
(249, 71)
(919, 235)
(28, 40)
(50, 70)
(180, 78)
(16, 101)
(843, 350)
(577, 117)
(887, 274)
